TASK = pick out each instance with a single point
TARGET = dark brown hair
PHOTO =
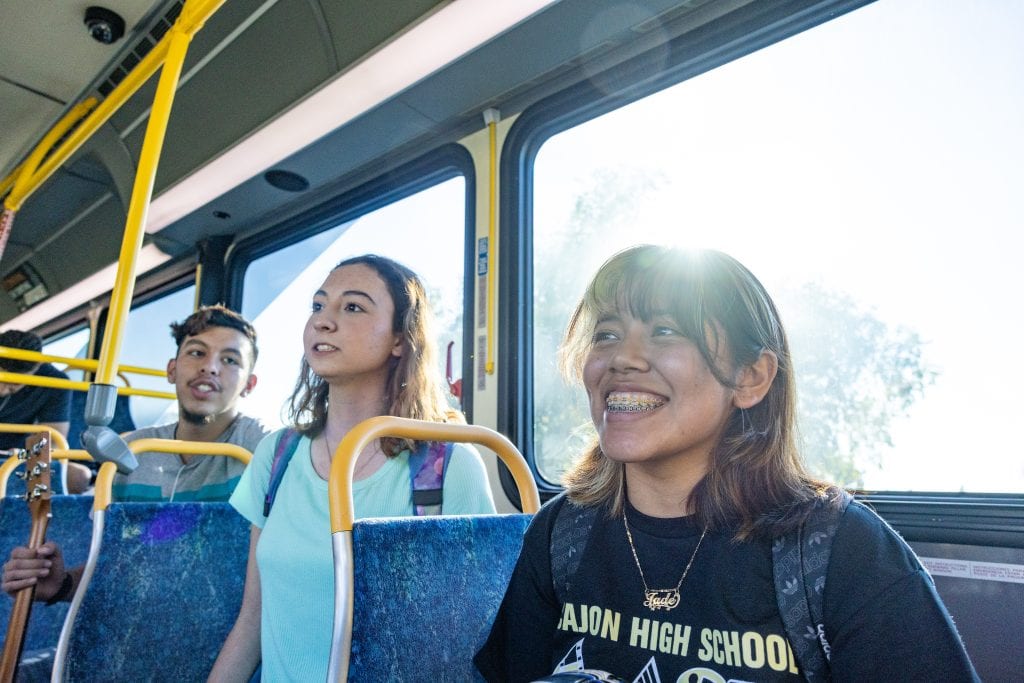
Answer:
(20, 339)
(217, 315)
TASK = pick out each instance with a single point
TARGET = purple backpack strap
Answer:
(287, 442)
(428, 464)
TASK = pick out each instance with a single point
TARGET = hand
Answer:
(42, 567)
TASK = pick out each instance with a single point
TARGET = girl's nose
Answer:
(322, 322)
(632, 353)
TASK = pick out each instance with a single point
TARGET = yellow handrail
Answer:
(142, 192)
(491, 117)
(339, 490)
(8, 182)
(11, 464)
(78, 363)
(105, 478)
(56, 437)
(58, 383)
(193, 15)
(170, 53)
(22, 176)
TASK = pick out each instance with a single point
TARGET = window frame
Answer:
(437, 166)
(995, 518)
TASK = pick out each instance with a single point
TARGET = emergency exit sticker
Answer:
(481, 362)
(969, 569)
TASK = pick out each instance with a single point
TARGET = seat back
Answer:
(426, 592)
(69, 527)
(166, 590)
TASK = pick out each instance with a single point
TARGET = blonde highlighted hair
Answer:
(756, 483)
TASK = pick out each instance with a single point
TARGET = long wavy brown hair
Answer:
(756, 484)
(412, 388)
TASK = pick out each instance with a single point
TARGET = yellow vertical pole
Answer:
(491, 117)
(138, 209)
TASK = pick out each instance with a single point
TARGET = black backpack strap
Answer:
(800, 565)
(568, 541)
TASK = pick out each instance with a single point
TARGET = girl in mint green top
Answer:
(368, 351)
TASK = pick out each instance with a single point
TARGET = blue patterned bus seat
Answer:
(166, 591)
(426, 591)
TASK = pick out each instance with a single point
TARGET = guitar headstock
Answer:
(38, 488)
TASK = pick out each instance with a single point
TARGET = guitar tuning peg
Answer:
(38, 490)
(40, 445)
(20, 453)
(21, 474)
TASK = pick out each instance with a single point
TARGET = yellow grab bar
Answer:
(105, 478)
(11, 464)
(193, 15)
(57, 383)
(138, 207)
(25, 171)
(339, 490)
(56, 437)
(78, 363)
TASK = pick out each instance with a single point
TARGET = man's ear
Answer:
(170, 370)
(755, 380)
(250, 384)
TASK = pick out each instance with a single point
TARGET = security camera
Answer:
(104, 25)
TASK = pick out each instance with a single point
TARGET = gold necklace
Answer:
(660, 598)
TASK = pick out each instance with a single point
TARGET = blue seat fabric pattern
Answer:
(69, 527)
(426, 592)
(166, 591)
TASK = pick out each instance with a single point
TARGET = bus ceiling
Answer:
(262, 82)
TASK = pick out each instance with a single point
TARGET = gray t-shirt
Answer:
(165, 476)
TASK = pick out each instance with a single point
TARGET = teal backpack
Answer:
(427, 466)
(799, 564)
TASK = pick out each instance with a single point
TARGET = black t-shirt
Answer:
(32, 405)
(882, 615)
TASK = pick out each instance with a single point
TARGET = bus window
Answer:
(868, 172)
(148, 343)
(425, 231)
(73, 345)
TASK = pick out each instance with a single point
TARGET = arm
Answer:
(882, 614)
(240, 654)
(61, 427)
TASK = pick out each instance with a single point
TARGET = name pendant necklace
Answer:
(660, 598)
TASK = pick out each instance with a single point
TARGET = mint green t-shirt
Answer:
(294, 551)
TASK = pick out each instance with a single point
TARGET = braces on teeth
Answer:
(632, 403)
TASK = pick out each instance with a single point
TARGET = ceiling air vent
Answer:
(143, 45)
